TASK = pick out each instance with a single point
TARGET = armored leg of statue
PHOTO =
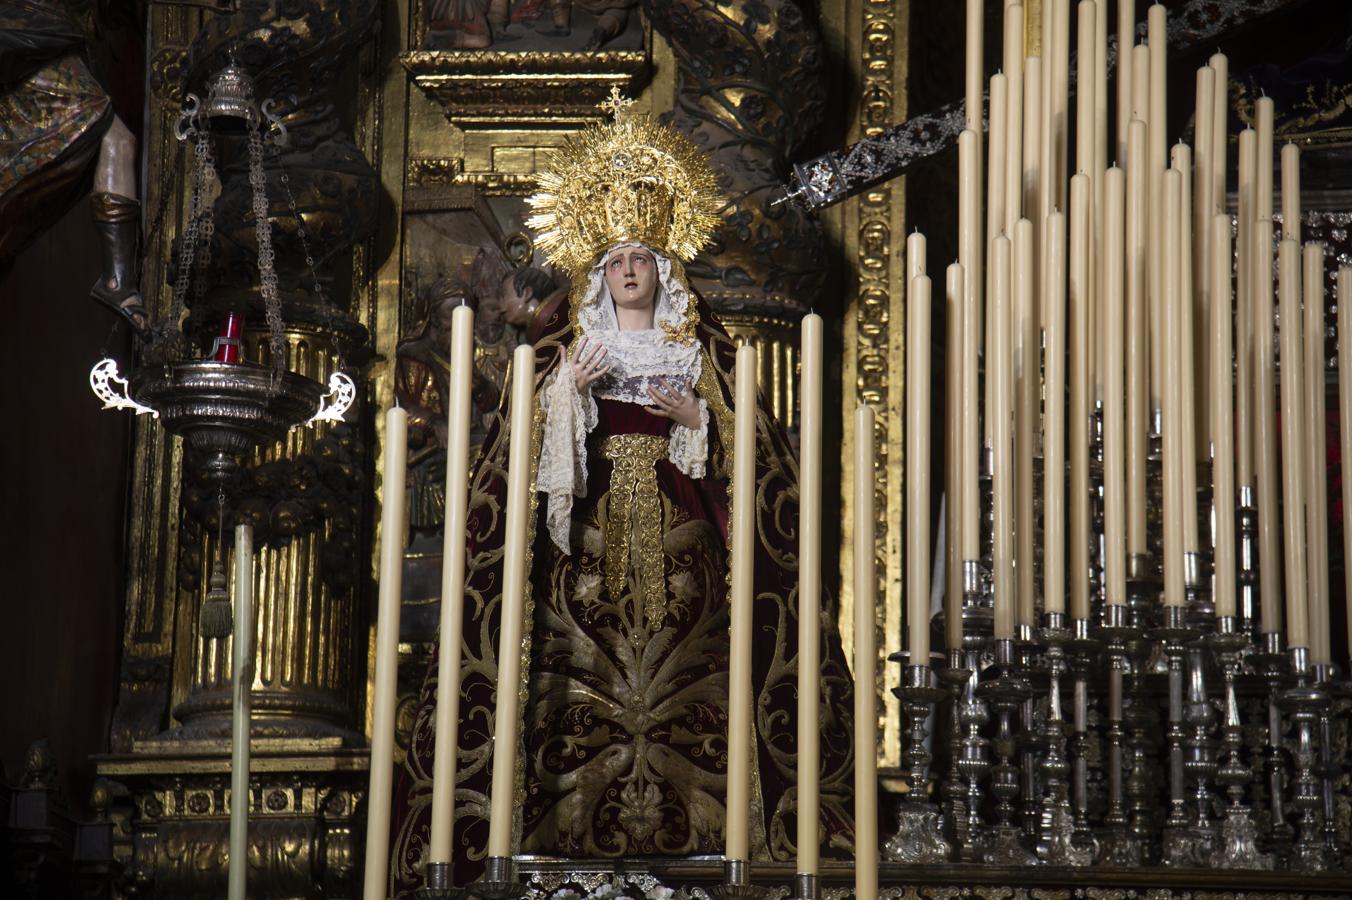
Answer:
(117, 216)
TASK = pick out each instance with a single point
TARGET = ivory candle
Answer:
(1291, 193)
(1243, 428)
(1220, 130)
(1026, 390)
(809, 594)
(1316, 475)
(1138, 337)
(1085, 13)
(1173, 374)
(1032, 160)
(1013, 144)
(1157, 39)
(918, 469)
(995, 223)
(1265, 431)
(737, 834)
(974, 81)
(1344, 299)
(1001, 440)
(1262, 185)
(1292, 384)
(392, 534)
(953, 465)
(1140, 83)
(1223, 459)
(1057, 167)
(971, 243)
(865, 655)
(1114, 418)
(1187, 386)
(1203, 203)
(1158, 124)
(1054, 441)
(1126, 73)
(452, 623)
(1100, 166)
(241, 678)
(1078, 416)
(507, 718)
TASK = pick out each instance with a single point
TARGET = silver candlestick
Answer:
(919, 837)
(1305, 702)
(1056, 842)
(1006, 689)
(1117, 845)
(1272, 661)
(737, 884)
(499, 881)
(1173, 635)
(437, 884)
(1237, 845)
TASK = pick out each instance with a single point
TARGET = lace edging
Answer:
(569, 416)
(688, 448)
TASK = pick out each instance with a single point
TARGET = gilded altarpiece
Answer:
(440, 142)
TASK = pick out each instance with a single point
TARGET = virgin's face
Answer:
(631, 275)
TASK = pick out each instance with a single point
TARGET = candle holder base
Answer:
(737, 884)
(498, 881)
(806, 886)
(919, 837)
(437, 884)
(1237, 846)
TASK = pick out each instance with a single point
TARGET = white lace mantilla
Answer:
(638, 360)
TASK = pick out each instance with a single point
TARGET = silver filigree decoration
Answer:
(333, 405)
(110, 387)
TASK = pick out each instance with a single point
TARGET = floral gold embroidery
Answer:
(635, 511)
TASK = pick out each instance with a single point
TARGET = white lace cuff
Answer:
(569, 416)
(688, 448)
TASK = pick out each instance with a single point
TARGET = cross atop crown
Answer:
(616, 103)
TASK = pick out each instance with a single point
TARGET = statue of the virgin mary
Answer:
(624, 737)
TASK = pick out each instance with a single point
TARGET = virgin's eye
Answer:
(616, 263)
(642, 260)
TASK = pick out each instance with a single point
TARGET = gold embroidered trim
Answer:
(634, 507)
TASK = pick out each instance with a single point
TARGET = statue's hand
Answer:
(589, 363)
(679, 404)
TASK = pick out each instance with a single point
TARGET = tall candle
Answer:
(1292, 384)
(737, 834)
(918, 469)
(1182, 162)
(1057, 167)
(1114, 413)
(1220, 129)
(809, 593)
(241, 678)
(1001, 439)
(971, 235)
(1085, 13)
(1032, 167)
(995, 223)
(1140, 83)
(1291, 192)
(1203, 202)
(451, 631)
(1054, 441)
(1101, 17)
(1157, 39)
(1013, 143)
(1096, 201)
(1126, 72)
(1344, 300)
(1243, 428)
(1078, 416)
(392, 534)
(1173, 375)
(1262, 186)
(971, 229)
(1138, 337)
(1316, 475)
(953, 464)
(865, 655)
(1027, 384)
(1223, 459)
(974, 80)
(1158, 123)
(1265, 432)
(507, 720)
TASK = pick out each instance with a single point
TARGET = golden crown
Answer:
(629, 180)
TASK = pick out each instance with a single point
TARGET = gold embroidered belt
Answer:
(634, 522)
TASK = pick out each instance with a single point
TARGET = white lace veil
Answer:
(638, 360)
